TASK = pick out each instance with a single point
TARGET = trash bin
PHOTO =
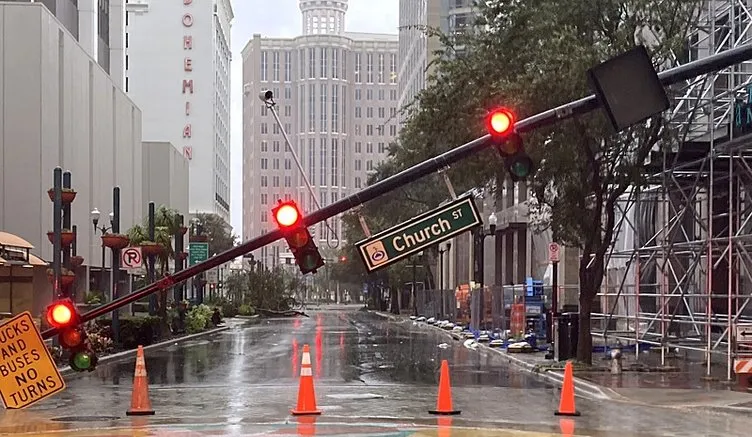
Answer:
(569, 330)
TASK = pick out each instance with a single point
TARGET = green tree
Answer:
(220, 234)
(262, 288)
(533, 56)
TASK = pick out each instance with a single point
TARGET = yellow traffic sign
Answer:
(27, 371)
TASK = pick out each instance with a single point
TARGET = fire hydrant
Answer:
(616, 366)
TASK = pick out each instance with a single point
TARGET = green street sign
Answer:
(427, 229)
(197, 252)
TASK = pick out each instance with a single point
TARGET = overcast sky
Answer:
(281, 18)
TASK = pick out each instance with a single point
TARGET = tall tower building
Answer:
(336, 94)
(178, 72)
(415, 47)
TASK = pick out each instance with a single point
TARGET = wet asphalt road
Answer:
(372, 377)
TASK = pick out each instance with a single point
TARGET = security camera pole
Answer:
(570, 110)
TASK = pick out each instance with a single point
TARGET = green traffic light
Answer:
(309, 261)
(81, 361)
(520, 167)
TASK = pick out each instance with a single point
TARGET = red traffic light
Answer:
(62, 314)
(343, 259)
(287, 215)
(72, 338)
(500, 122)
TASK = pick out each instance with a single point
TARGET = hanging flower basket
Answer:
(115, 241)
(199, 238)
(67, 277)
(76, 261)
(182, 230)
(182, 255)
(149, 248)
(69, 195)
(66, 237)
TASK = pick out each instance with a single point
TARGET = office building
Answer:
(336, 95)
(62, 109)
(98, 25)
(178, 72)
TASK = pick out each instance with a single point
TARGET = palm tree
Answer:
(166, 225)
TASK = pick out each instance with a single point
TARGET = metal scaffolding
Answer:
(668, 282)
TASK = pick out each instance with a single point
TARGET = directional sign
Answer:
(27, 372)
(553, 252)
(744, 333)
(131, 258)
(419, 233)
(197, 252)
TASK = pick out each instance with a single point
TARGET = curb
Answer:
(582, 387)
(125, 354)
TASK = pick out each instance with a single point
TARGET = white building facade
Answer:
(61, 108)
(336, 95)
(178, 72)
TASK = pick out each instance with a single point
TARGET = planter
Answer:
(151, 249)
(67, 277)
(115, 241)
(76, 261)
(199, 239)
(68, 195)
(183, 230)
(66, 237)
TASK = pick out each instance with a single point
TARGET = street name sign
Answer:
(197, 252)
(27, 371)
(744, 333)
(423, 231)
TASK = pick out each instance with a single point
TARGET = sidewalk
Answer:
(229, 323)
(679, 388)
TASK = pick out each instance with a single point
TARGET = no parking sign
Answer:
(131, 258)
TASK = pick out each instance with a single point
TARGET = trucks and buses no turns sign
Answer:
(27, 371)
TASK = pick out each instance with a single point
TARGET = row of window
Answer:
(332, 64)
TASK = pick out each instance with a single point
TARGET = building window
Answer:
(264, 128)
(357, 182)
(264, 146)
(324, 103)
(263, 66)
(264, 163)
(381, 68)
(322, 161)
(311, 108)
(312, 63)
(357, 68)
(288, 164)
(275, 146)
(335, 67)
(324, 60)
(335, 118)
(369, 67)
(358, 165)
(264, 181)
(264, 199)
(301, 64)
(382, 147)
(393, 69)
(358, 147)
(288, 69)
(312, 160)
(369, 147)
(275, 66)
(335, 161)
(264, 216)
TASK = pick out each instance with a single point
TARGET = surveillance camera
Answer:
(266, 96)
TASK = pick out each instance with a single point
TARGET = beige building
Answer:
(336, 94)
(165, 177)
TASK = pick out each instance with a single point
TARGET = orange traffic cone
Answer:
(444, 401)
(140, 403)
(306, 393)
(566, 404)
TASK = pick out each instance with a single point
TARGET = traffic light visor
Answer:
(71, 338)
(287, 215)
(60, 314)
(500, 121)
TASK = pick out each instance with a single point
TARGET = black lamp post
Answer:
(441, 276)
(95, 216)
(480, 238)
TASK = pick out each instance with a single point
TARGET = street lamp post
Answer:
(95, 216)
(441, 276)
(480, 238)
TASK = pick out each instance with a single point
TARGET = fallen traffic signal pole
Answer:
(578, 107)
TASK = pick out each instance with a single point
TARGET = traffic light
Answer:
(64, 316)
(290, 222)
(500, 124)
